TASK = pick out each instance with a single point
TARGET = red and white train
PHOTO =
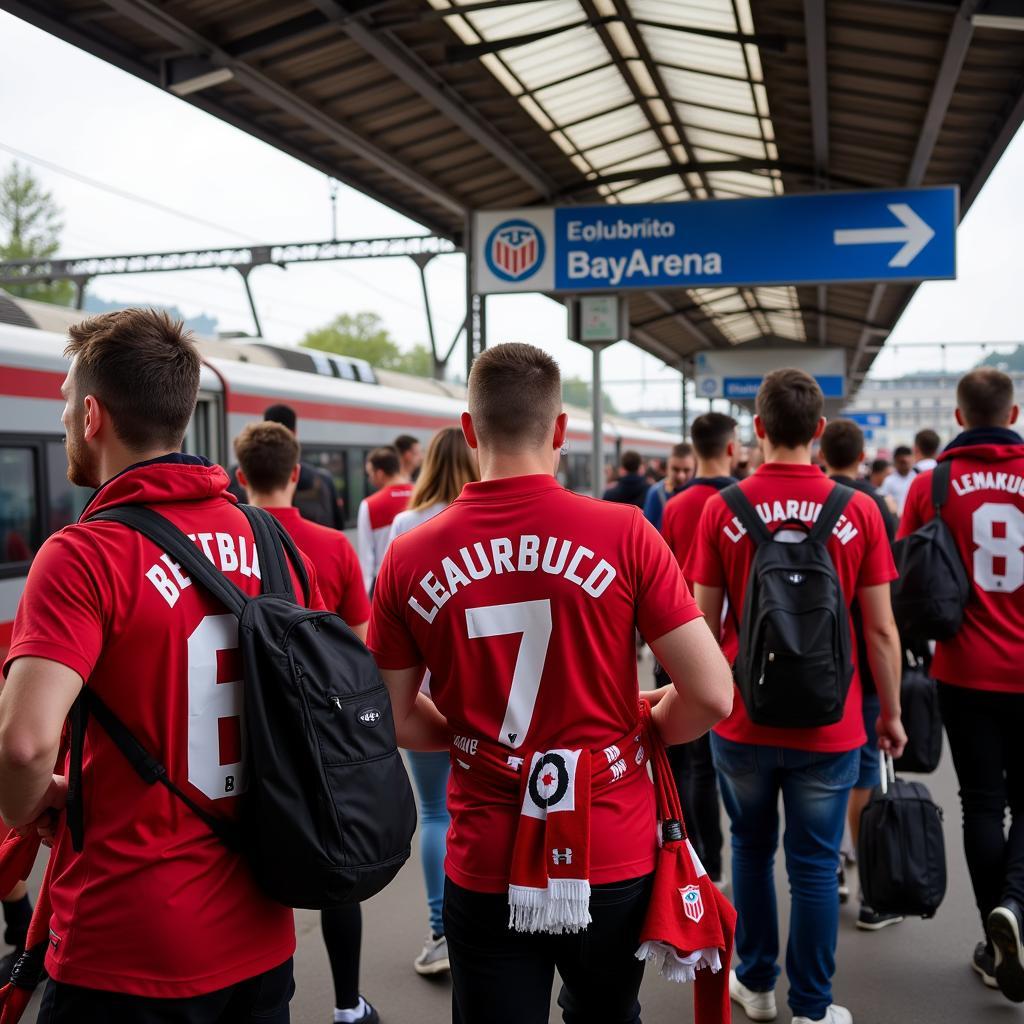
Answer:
(344, 408)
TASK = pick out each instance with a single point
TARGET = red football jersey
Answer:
(985, 513)
(337, 568)
(860, 552)
(522, 598)
(154, 905)
(679, 528)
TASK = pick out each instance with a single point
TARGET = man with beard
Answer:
(154, 919)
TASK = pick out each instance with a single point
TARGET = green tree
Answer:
(1012, 362)
(30, 227)
(364, 336)
(576, 391)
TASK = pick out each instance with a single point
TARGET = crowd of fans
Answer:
(502, 611)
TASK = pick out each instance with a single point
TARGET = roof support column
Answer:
(597, 424)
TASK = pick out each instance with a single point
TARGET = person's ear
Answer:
(759, 428)
(960, 416)
(240, 477)
(1014, 413)
(469, 431)
(561, 429)
(294, 478)
(94, 417)
(820, 428)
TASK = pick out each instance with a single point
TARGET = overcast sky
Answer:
(74, 112)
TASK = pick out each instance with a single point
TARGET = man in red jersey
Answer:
(391, 493)
(714, 443)
(154, 919)
(813, 768)
(521, 598)
(981, 669)
(268, 469)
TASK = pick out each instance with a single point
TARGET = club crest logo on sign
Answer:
(514, 250)
(693, 902)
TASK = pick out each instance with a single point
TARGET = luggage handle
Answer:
(888, 770)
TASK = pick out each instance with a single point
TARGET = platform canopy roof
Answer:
(437, 107)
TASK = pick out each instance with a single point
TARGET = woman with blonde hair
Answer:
(450, 465)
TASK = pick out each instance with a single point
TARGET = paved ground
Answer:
(914, 973)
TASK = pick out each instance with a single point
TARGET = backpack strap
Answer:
(734, 497)
(175, 543)
(835, 504)
(272, 543)
(940, 485)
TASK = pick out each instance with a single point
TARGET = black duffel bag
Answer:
(901, 854)
(922, 721)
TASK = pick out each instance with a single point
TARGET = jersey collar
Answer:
(798, 469)
(509, 487)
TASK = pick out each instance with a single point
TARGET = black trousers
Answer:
(985, 733)
(262, 999)
(694, 772)
(505, 977)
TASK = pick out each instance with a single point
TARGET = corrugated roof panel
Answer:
(590, 93)
(597, 130)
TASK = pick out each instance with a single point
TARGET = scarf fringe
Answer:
(676, 968)
(564, 906)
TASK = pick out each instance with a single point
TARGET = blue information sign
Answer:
(868, 419)
(821, 238)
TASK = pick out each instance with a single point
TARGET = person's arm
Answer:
(364, 546)
(882, 640)
(710, 600)
(34, 704)
(418, 723)
(701, 679)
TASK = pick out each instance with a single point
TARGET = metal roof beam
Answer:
(817, 81)
(163, 24)
(386, 48)
(291, 31)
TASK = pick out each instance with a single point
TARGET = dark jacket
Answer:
(630, 489)
(865, 487)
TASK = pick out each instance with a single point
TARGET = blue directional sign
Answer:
(822, 238)
(868, 419)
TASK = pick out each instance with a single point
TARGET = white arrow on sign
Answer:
(914, 235)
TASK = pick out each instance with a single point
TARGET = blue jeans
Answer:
(430, 774)
(815, 789)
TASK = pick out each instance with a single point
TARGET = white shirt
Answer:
(411, 518)
(924, 465)
(895, 486)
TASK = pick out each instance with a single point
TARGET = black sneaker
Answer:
(869, 920)
(984, 963)
(844, 888)
(1005, 925)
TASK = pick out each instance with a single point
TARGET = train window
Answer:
(332, 460)
(64, 500)
(19, 503)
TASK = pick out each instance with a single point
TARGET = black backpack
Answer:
(922, 720)
(328, 815)
(901, 855)
(929, 597)
(794, 666)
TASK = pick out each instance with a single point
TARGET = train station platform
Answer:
(917, 972)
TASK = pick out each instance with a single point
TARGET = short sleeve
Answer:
(663, 601)
(353, 605)
(316, 600)
(878, 566)
(915, 510)
(389, 638)
(63, 608)
(704, 564)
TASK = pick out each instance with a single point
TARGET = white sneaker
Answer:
(756, 1005)
(833, 1015)
(434, 957)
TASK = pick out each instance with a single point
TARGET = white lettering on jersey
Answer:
(527, 553)
(967, 483)
(230, 556)
(780, 512)
(466, 745)
(618, 770)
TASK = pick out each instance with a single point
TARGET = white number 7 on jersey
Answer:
(533, 620)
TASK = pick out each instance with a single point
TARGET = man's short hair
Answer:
(985, 397)
(927, 442)
(405, 442)
(281, 413)
(267, 454)
(790, 404)
(879, 465)
(902, 451)
(515, 396)
(842, 444)
(385, 460)
(711, 433)
(143, 366)
(631, 461)
(681, 450)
